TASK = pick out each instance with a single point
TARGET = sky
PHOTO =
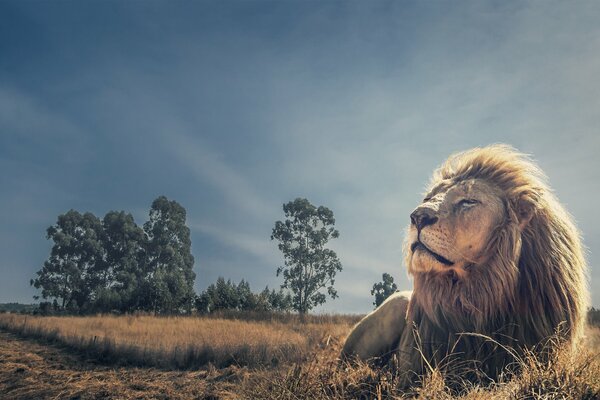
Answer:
(234, 108)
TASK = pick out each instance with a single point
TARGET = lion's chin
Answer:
(421, 262)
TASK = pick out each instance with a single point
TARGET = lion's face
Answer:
(450, 230)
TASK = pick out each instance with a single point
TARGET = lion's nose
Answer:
(423, 216)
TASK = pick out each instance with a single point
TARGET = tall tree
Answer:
(384, 289)
(125, 271)
(308, 266)
(73, 271)
(169, 257)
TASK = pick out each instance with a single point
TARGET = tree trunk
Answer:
(302, 315)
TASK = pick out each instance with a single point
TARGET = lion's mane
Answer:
(532, 287)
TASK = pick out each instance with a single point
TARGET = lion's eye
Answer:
(464, 203)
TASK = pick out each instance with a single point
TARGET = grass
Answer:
(270, 357)
(565, 375)
(182, 342)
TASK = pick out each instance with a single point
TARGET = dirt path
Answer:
(32, 370)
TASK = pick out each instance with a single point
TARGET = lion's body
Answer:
(473, 316)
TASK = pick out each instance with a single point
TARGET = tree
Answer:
(125, 271)
(74, 270)
(278, 301)
(383, 290)
(247, 301)
(309, 266)
(226, 295)
(170, 261)
(223, 295)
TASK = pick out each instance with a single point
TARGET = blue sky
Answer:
(233, 108)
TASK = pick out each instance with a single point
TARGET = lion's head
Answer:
(490, 239)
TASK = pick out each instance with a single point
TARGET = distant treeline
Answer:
(18, 308)
(227, 296)
(219, 297)
(112, 264)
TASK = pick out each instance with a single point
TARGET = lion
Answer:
(497, 267)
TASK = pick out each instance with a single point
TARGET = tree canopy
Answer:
(73, 271)
(226, 295)
(126, 267)
(114, 265)
(169, 257)
(384, 289)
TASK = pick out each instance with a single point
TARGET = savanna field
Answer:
(248, 356)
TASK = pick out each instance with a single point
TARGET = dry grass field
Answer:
(182, 342)
(142, 357)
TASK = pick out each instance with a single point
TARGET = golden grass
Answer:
(566, 375)
(305, 354)
(179, 342)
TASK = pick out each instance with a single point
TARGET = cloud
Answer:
(34, 135)
(263, 249)
(22, 115)
(208, 166)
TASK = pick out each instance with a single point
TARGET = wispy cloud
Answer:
(208, 166)
(249, 243)
(22, 115)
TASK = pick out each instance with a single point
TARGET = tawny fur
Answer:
(532, 286)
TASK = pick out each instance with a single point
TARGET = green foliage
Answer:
(76, 263)
(115, 265)
(169, 257)
(383, 290)
(277, 300)
(109, 299)
(125, 243)
(227, 296)
(309, 266)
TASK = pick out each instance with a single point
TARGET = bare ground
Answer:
(30, 369)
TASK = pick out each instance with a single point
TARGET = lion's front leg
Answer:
(378, 334)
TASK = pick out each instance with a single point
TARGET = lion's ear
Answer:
(525, 211)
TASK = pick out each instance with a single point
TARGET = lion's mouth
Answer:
(420, 245)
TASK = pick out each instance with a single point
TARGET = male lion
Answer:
(497, 265)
